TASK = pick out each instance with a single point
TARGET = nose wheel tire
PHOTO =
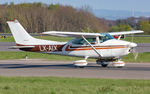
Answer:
(119, 64)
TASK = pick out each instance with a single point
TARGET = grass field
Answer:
(135, 39)
(11, 39)
(55, 85)
(143, 57)
(139, 39)
(21, 55)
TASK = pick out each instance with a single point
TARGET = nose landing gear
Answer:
(118, 64)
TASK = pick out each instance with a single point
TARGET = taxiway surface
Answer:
(34, 67)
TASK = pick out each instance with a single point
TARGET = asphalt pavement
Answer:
(38, 67)
(5, 46)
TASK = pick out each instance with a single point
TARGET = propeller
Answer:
(134, 51)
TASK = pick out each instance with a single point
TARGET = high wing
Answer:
(126, 32)
(72, 34)
(80, 34)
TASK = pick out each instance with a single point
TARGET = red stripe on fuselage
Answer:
(53, 48)
(81, 48)
(42, 48)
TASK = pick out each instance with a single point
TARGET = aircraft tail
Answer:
(22, 37)
(19, 33)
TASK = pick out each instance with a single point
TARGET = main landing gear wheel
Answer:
(104, 65)
(81, 66)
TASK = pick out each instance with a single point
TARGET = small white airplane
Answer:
(101, 46)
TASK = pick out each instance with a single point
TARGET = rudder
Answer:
(19, 33)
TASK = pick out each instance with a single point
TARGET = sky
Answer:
(130, 5)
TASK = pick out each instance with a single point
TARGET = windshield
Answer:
(105, 37)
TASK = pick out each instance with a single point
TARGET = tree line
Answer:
(132, 23)
(38, 17)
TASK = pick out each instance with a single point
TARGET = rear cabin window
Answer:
(80, 41)
(83, 42)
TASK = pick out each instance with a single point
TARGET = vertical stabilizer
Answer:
(19, 33)
(22, 37)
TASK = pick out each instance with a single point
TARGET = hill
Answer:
(118, 14)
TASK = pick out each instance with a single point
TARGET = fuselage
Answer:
(108, 49)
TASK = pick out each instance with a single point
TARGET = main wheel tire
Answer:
(104, 65)
(81, 67)
(120, 67)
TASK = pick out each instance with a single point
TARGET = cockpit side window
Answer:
(93, 41)
(82, 42)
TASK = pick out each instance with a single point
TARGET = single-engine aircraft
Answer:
(101, 46)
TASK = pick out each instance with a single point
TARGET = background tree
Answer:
(38, 17)
(120, 27)
(145, 26)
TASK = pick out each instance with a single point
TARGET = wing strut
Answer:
(91, 46)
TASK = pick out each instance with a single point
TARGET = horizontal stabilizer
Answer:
(19, 47)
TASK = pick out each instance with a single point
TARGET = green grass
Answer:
(135, 39)
(55, 85)
(142, 57)
(11, 39)
(138, 39)
(7, 39)
(21, 55)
